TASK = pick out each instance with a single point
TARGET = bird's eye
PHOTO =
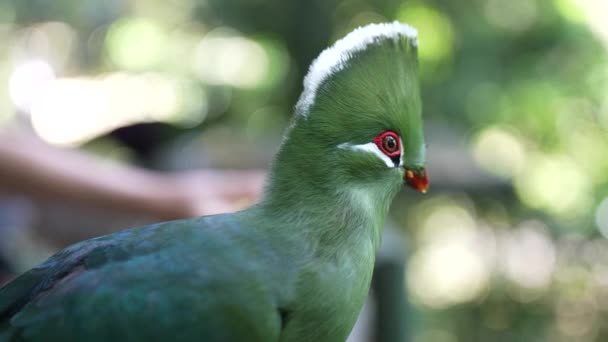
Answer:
(388, 143)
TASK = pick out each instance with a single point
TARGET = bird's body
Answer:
(295, 267)
(175, 281)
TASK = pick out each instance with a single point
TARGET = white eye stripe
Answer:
(401, 155)
(373, 148)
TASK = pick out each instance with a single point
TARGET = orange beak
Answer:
(418, 180)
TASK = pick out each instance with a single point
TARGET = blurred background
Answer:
(510, 242)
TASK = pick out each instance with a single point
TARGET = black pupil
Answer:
(390, 143)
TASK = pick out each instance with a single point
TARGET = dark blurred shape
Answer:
(145, 139)
(6, 273)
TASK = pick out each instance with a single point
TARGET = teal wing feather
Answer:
(201, 279)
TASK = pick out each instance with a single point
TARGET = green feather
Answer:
(295, 267)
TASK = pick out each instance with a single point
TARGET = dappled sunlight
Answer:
(590, 12)
(28, 82)
(554, 183)
(441, 275)
(462, 258)
(223, 57)
(576, 306)
(529, 256)
(435, 31)
(137, 43)
(499, 151)
(449, 268)
(583, 139)
(53, 41)
(162, 75)
(71, 111)
(436, 38)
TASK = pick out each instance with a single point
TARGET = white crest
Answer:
(334, 58)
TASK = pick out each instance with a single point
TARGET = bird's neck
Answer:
(309, 199)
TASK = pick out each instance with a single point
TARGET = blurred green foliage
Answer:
(523, 82)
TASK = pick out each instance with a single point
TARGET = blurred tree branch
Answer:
(30, 167)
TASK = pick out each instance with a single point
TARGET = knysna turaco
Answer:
(294, 267)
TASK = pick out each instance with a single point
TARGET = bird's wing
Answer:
(185, 278)
(16, 294)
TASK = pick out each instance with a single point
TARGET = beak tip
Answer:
(418, 180)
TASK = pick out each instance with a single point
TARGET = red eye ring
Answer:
(388, 142)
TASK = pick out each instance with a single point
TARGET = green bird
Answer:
(296, 266)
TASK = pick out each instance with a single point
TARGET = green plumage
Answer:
(295, 267)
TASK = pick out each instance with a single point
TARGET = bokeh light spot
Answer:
(570, 10)
(449, 268)
(136, 43)
(74, 110)
(434, 29)
(441, 276)
(529, 259)
(27, 81)
(499, 151)
(225, 58)
(555, 184)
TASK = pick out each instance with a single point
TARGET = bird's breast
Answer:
(330, 296)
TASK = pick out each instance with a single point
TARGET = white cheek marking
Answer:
(371, 148)
(401, 155)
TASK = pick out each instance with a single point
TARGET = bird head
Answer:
(358, 120)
